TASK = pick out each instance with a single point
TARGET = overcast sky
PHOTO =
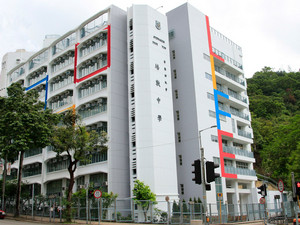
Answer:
(267, 30)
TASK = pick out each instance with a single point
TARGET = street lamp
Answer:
(203, 173)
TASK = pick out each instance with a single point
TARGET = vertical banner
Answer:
(1, 167)
(8, 169)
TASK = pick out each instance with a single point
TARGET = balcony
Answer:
(91, 65)
(229, 75)
(92, 86)
(32, 170)
(232, 93)
(237, 151)
(93, 108)
(227, 58)
(240, 171)
(63, 61)
(234, 112)
(93, 44)
(244, 133)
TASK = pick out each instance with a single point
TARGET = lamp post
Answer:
(203, 173)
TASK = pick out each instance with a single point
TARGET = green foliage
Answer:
(175, 207)
(24, 125)
(73, 139)
(274, 105)
(143, 196)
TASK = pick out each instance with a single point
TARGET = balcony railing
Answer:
(229, 75)
(232, 94)
(237, 151)
(240, 171)
(93, 111)
(233, 112)
(244, 133)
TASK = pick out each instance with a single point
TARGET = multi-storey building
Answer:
(9, 61)
(152, 93)
(86, 70)
(151, 126)
(209, 89)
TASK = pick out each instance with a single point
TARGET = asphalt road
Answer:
(16, 222)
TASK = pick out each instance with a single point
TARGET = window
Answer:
(225, 142)
(176, 94)
(210, 96)
(171, 34)
(180, 160)
(178, 137)
(214, 138)
(212, 113)
(182, 189)
(130, 24)
(131, 45)
(177, 115)
(208, 76)
(173, 54)
(242, 165)
(175, 74)
(237, 145)
(222, 117)
(228, 162)
(206, 57)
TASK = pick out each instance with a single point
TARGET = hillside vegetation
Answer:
(274, 105)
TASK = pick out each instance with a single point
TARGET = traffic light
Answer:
(297, 185)
(263, 190)
(197, 171)
(210, 171)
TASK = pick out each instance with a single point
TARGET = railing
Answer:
(93, 111)
(32, 152)
(244, 133)
(160, 212)
(227, 58)
(229, 75)
(83, 92)
(237, 151)
(239, 114)
(241, 171)
(237, 96)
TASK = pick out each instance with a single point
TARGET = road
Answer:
(15, 222)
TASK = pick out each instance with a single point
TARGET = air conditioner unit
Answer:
(100, 100)
(88, 105)
(100, 124)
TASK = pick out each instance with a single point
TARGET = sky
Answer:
(267, 30)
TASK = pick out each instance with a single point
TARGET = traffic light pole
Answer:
(203, 182)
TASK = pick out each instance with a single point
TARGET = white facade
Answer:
(209, 89)
(151, 126)
(9, 61)
(82, 71)
(151, 81)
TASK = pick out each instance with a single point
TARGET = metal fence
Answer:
(128, 210)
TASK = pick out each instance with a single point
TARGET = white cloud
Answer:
(266, 30)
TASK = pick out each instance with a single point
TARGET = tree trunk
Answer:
(3, 184)
(69, 194)
(18, 194)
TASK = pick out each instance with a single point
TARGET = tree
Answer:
(143, 196)
(274, 105)
(24, 125)
(78, 144)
